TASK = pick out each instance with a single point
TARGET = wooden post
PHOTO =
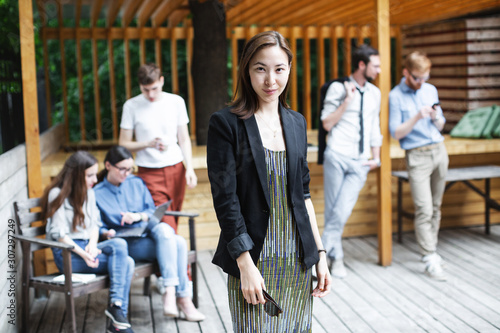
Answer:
(112, 89)
(80, 85)
(126, 58)
(234, 58)
(142, 47)
(334, 56)
(293, 46)
(321, 57)
(63, 73)
(97, 99)
(347, 51)
(189, 54)
(307, 77)
(384, 173)
(158, 48)
(173, 55)
(47, 80)
(399, 54)
(30, 104)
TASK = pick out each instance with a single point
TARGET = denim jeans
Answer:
(113, 260)
(344, 178)
(170, 250)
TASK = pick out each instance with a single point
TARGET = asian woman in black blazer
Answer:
(257, 166)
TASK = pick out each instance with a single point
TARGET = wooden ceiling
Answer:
(86, 13)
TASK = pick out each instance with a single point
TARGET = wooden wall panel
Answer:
(466, 65)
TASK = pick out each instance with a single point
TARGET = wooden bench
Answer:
(464, 175)
(31, 234)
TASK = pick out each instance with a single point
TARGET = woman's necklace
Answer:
(268, 126)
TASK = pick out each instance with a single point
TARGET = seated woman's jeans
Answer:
(170, 250)
(113, 260)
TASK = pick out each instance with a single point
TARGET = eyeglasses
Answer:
(420, 79)
(271, 307)
(124, 170)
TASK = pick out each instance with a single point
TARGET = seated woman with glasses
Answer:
(69, 207)
(125, 202)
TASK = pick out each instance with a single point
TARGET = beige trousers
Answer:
(427, 167)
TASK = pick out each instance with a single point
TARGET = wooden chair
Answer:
(32, 238)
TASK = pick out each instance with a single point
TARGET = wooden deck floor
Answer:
(399, 298)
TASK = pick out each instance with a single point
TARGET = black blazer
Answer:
(238, 179)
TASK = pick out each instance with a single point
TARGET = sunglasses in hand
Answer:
(271, 307)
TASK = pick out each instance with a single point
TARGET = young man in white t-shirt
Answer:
(158, 122)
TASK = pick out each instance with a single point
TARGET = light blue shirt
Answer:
(405, 103)
(131, 196)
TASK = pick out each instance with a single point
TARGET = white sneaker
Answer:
(338, 269)
(434, 257)
(159, 285)
(435, 271)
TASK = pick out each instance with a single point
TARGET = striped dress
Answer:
(285, 278)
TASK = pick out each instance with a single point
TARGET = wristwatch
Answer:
(377, 160)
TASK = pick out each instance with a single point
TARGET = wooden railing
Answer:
(328, 59)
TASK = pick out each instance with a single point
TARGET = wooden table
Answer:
(464, 175)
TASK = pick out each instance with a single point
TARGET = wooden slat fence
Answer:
(332, 59)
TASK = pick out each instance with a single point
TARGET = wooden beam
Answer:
(306, 78)
(271, 12)
(78, 13)
(384, 173)
(95, 11)
(30, 105)
(112, 88)
(145, 11)
(97, 99)
(163, 12)
(81, 106)
(113, 10)
(294, 87)
(129, 12)
(234, 14)
(47, 78)
(336, 13)
(298, 10)
(177, 17)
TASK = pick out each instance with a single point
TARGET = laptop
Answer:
(153, 220)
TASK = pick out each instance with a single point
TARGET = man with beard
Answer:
(416, 120)
(350, 115)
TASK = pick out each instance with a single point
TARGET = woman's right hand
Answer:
(91, 261)
(252, 282)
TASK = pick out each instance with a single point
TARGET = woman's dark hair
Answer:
(245, 100)
(115, 154)
(71, 181)
(362, 53)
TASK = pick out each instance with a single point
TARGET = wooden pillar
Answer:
(47, 80)
(173, 56)
(234, 59)
(112, 89)
(334, 56)
(189, 52)
(321, 57)
(63, 73)
(97, 99)
(384, 173)
(347, 51)
(293, 78)
(81, 106)
(399, 54)
(30, 104)
(142, 47)
(126, 58)
(158, 48)
(307, 77)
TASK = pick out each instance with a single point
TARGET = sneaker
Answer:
(160, 285)
(434, 257)
(338, 269)
(120, 329)
(115, 313)
(435, 271)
